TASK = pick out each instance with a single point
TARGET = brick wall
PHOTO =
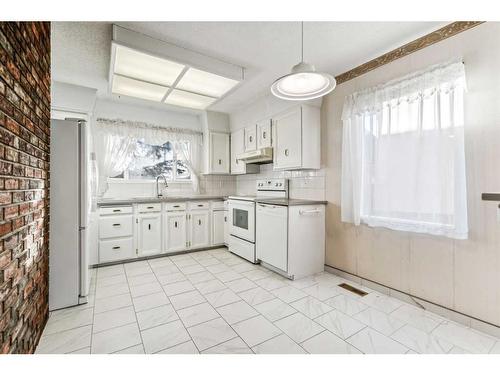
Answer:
(24, 171)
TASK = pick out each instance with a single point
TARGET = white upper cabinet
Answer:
(296, 138)
(219, 157)
(264, 138)
(237, 148)
(149, 234)
(251, 138)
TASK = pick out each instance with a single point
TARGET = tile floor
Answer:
(215, 302)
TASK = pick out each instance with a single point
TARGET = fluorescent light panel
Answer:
(148, 77)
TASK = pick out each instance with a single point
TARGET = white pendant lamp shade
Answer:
(304, 82)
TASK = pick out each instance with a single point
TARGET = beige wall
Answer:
(463, 275)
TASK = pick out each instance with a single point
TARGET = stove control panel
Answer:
(272, 184)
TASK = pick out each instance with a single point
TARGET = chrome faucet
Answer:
(158, 192)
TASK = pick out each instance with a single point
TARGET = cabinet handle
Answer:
(250, 139)
(286, 152)
(177, 206)
(199, 222)
(150, 207)
(225, 219)
(116, 247)
(264, 135)
(149, 226)
(236, 160)
(175, 224)
(200, 205)
(116, 225)
(117, 210)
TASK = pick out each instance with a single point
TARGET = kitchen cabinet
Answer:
(237, 148)
(198, 229)
(176, 231)
(149, 232)
(218, 227)
(219, 155)
(116, 234)
(271, 235)
(264, 137)
(296, 138)
(251, 138)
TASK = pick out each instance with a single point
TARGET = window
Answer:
(403, 157)
(149, 161)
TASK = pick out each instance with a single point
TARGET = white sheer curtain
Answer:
(115, 142)
(403, 160)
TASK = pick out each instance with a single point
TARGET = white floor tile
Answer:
(108, 271)
(256, 296)
(347, 305)
(226, 276)
(65, 341)
(114, 318)
(145, 289)
(222, 297)
(236, 312)
(370, 341)
(289, 294)
(199, 277)
(77, 318)
(381, 302)
(256, 274)
(178, 288)
(496, 348)
(465, 338)
(379, 321)
(112, 290)
(256, 330)
(111, 280)
(275, 309)
(209, 262)
(81, 351)
(156, 316)
(171, 278)
(189, 270)
(299, 327)
(321, 292)
(115, 339)
(271, 282)
(183, 300)
(304, 282)
(145, 270)
(141, 279)
(167, 269)
(197, 314)
(185, 262)
(416, 317)
(421, 342)
(233, 346)
(136, 349)
(210, 286)
(278, 345)
(185, 348)
(243, 267)
(241, 285)
(211, 333)
(218, 268)
(149, 301)
(328, 343)
(164, 336)
(340, 324)
(112, 303)
(311, 307)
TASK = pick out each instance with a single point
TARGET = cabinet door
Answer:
(175, 234)
(250, 138)
(264, 134)
(226, 227)
(219, 153)
(288, 140)
(199, 229)
(271, 240)
(237, 148)
(217, 227)
(149, 234)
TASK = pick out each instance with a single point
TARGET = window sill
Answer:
(125, 181)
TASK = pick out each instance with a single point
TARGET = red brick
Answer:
(5, 228)
(10, 212)
(5, 197)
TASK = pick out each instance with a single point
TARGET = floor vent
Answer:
(352, 289)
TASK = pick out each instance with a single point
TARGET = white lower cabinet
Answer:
(116, 249)
(175, 231)
(199, 235)
(218, 227)
(149, 234)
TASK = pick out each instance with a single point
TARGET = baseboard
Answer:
(123, 261)
(464, 319)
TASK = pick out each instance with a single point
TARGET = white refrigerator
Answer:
(69, 213)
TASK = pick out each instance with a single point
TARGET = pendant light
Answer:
(303, 83)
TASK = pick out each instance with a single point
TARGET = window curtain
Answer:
(115, 143)
(403, 160)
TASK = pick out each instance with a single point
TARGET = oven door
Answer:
(242, 219)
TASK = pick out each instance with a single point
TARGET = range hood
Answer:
(260, 156)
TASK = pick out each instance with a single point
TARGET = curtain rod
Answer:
(141, 124)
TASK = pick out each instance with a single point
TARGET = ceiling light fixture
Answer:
(303, 83)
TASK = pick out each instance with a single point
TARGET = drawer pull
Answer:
(264, 135)
(149, 226)
(250, 139)
(175, 224)
(176, 206)
(150, 207)
(199, 222)
(286, 152)
(225, 219)
(116, 247)
(220, 161)
(200, 205)
(117, 210)
(116, 225)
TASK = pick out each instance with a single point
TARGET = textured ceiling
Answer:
(267, 50)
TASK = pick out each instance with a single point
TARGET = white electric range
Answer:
(242, 216)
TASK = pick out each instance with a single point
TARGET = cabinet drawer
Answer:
(115, 210)
(116, 249)
(149, 207)
(198, 205)
(115, 226)
(175, 206)
(217, 205)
